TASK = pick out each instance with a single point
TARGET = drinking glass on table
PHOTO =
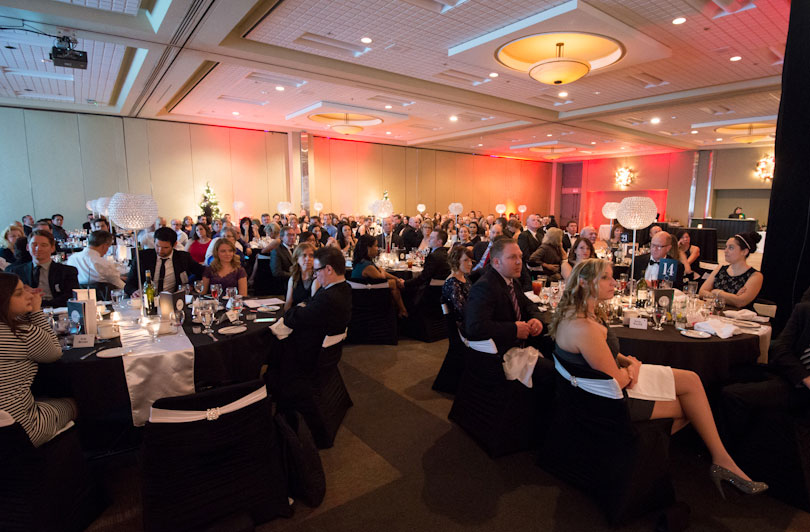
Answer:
(658, 317)
(207, 318)
(216, 291)
(692, 288)
(198, 287)
(237, 305)
(231, 292)
(154, 328)
(117, 296)
(719, 304)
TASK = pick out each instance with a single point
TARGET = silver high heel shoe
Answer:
(750, 487)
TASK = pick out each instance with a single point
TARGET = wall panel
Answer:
(369, 175)
(136, 146)
(426, 184)
(56, 166)
(15, 178)
(249, 172)
(171, 169)
(103, 157)
(210, 163)
(344, 176)
(276, 152)
(320, 176)
(393, 176)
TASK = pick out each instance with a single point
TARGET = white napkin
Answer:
(655, 383)
(256, 303)
(743, 314)
(518, 364)
(280, 329)
(718, 328)
(532, 297)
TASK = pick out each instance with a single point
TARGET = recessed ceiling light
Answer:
(718, 139)
(387, 132)
(493, 74)
(735, 58)
(453, 118)
(279, 88)
(389, 106)
(235, 113)
(694, 132)
(562, 94)
(673, 117)
(366, 40)
(593, 142)
(597, 92)
(479, 145)
(550, 135)
(624, 147)
(678, 21)
(655, 120)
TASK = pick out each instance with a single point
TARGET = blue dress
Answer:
(357, 270)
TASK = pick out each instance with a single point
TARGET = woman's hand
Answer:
(36, 298)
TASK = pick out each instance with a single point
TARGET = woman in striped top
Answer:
(26, 339)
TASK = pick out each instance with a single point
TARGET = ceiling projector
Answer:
(63, 54)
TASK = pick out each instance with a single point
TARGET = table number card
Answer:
(232, 315)
(667, 270)
(638, 323)
(84, 340)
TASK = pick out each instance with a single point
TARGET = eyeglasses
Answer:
(316, 270)
(659, 247)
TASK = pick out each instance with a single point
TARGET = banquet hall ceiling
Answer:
(270, 64)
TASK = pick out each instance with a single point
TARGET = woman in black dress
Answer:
(736, 282)
(456, 288)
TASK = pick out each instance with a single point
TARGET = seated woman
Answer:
(736, 282)
(449, 227)
(550, 254)
(318, 232)
(456, 288)
(475, 233)
(581, 337)
(615, 236)
(345, 240)
(198, 245)
(688, 255)
(581, 250)
(247, 231)
(26, 339)
(226, 269)
(302, 284)
(228, 233)
(427, 228)
(188, 226)
(364, 268)
(216, 227)
(10, 235)
(273, 232)
(464, 237)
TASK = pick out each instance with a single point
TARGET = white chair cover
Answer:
(159, 415)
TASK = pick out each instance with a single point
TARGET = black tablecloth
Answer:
(726, 227)
(706, 240)
(711, 358)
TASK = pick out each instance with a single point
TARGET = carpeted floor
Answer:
(399, 464)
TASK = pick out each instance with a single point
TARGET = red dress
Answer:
(197, 251)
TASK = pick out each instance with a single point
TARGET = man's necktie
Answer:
(35, 277)
(511, 288)
(161, 275)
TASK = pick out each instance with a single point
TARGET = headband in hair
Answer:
(747, 245)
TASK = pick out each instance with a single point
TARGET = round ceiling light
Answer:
(560, 58)
(748, 133)
(346, 123)
(552, 152)
(346, 129)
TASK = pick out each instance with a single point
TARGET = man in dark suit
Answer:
(412, 235)
(281, 258)
(385, 240)
(529, 240)
(28, 224)
(481, 251)
(399, 225)
(646, 266)
(87, 226)
(497, 308)
(436, 265)
(170, 267)
(55, 281)
(570, 234)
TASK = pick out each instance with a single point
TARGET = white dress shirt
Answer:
(93, 268)
(169, 281)
(182, 238)
(651, 273)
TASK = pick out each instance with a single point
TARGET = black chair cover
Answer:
(374, 315)
(202, 472)
(264, 284)
(449, 376)
(102, 290)
(593, 444)
(425, 320)
(48, 489)
(305, 475)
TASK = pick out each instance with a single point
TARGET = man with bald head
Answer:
(647, 265)
(412, 234)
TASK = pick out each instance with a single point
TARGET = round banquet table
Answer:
(99, 386)
(711, 358)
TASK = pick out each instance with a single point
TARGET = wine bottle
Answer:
(149, 295)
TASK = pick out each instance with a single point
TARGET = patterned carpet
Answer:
(399, 464)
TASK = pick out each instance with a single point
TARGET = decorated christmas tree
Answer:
(209, 204)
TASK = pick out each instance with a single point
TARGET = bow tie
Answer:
(653, 262)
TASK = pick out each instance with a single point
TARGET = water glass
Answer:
(719, 304)
(198, 287)
(238, 305)
(207, 317)
(231, 292)
(692, 288)
(117, 296)
(658, 317)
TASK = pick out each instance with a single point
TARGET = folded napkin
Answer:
(743, 314)
(718, 328)
(655, 383)
(280, 329)
(518, 364)
(532, 297)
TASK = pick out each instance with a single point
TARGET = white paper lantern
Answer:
(421, 208)
(455, 208)
(132, 211)
(522, 209)
(89, 204)
(238, 205)
(500, 208)
(284, 207)
(318, 206)
(610, 209)
(103, 206)
(637, 212)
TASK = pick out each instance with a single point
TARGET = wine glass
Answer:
(238, 305)
(658, 316)
(719, 304)
(117, 297)
(216, 291)
(231, 292)
(154, 329)
(207, 318)
(198, 287)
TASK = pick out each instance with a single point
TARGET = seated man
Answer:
(56, 225)
(170, 267)
(436, 266)
(411, 235)
(91, 264)
(481, 251)
(497, 308)
(182, 237)
(281, 257)
(55, 281)
(529, 240)
(646, 265)
(591, 234)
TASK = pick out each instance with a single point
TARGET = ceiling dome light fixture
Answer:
(678, 21)
(552, 152)
(561, 57)
(751, 132)
(346, 123)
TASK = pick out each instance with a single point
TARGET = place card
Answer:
(84, 340)
(232, 315)
(638, 323)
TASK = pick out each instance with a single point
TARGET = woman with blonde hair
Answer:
(302, 284)
(10, 235)
(550, 254)
(427, 228)
(582, 338)
(226, 268)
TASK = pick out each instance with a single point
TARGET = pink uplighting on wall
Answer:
(591, 211)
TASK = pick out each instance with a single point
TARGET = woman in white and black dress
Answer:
(736, 282)
(581, 337)
(26, 340)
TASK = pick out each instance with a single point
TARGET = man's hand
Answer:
(535, 326)
(400, 282)
(36, 298)
(136, 293)
(522, 330)
(806, 382)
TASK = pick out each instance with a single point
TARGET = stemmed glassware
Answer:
(216, 291)
(237, 304)
(207, 318)
(719, 304)
(198, 287)
(658, 317)
(231, 292)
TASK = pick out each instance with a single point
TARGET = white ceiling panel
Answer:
(127, 7)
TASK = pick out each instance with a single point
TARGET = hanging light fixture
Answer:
(625, 176)
(559, 70)
(764, 169)
(552, 152)
(748, 133)
(346, 128)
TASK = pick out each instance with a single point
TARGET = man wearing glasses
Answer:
(647, 265)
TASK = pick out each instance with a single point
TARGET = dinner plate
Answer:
(695, 334)
(271, 308)
(114, 352)
(233, 329)
(746, 324)
(761, 319)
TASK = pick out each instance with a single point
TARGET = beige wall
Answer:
(55, 162)
(734, 169)
(348, 176)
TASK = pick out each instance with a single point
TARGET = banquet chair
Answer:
(450, 373)
(499, 414)
(102, 290)
(764, 307)
(264, 284)
(47, 488)
(320, 396)
(425, 321)
(213, 460)
(593, 444)
(374, 315)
